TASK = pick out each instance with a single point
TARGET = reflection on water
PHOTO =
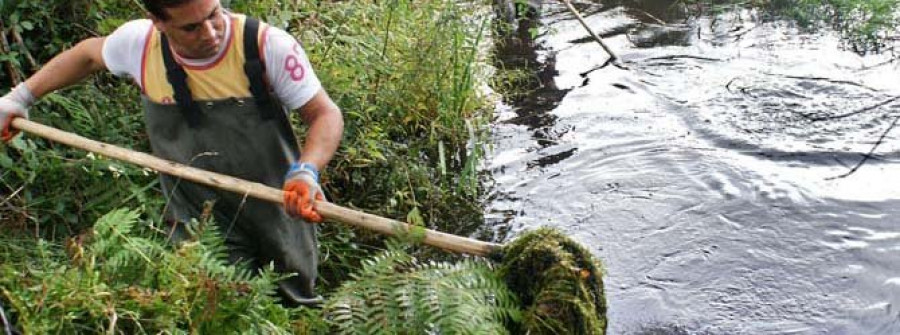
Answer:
(703, 176)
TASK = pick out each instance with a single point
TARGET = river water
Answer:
(710, 175)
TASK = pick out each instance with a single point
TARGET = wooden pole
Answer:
(612, 56)
(328, 210)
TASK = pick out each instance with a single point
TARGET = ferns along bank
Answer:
(81, 243)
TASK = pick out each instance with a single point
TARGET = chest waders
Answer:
(242, 137)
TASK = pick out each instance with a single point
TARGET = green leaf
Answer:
(6, 162)
(414, 217)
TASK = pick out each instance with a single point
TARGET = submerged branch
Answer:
(826, 79)
(609, 61)
(889, 61)
(871, 152)
(671, 57)
(858, 111)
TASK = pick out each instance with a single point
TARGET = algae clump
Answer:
(558, 282)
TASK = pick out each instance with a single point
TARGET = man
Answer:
(213, 99)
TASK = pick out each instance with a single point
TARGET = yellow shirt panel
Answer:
(221, 79)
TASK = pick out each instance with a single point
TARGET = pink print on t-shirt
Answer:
(293, 65)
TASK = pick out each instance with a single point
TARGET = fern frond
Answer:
(395, 293)
(142, 283)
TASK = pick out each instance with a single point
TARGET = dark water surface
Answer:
(703, 175)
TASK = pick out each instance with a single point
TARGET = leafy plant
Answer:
(57, 191)
(115, 281)
(867, 25)
(404, 73)
(394, 293)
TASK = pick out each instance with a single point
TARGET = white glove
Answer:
(12, 105)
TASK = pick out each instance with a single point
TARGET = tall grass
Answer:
(404, 73)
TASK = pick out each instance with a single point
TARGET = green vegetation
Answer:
(81, 237)
(114, 281)
(564, 294)
(866, 25)
(50, 190)
(394, 293)
(403, 72)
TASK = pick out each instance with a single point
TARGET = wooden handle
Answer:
(328, 210)
(590, 31)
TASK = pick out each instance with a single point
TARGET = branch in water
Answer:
(868, 155)
(862, 110)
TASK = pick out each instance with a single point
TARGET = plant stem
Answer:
(4, 49)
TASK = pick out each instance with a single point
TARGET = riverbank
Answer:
(81, 243)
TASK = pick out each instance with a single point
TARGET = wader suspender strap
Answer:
(255, 69)
(178, 79)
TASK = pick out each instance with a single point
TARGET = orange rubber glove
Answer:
(12, 105)
(301, 189)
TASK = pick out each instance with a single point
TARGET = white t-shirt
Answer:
(123, 53)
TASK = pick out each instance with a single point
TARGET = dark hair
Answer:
(157, 7)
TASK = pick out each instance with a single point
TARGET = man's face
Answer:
(195, 29)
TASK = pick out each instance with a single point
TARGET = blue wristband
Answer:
(297, 167)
